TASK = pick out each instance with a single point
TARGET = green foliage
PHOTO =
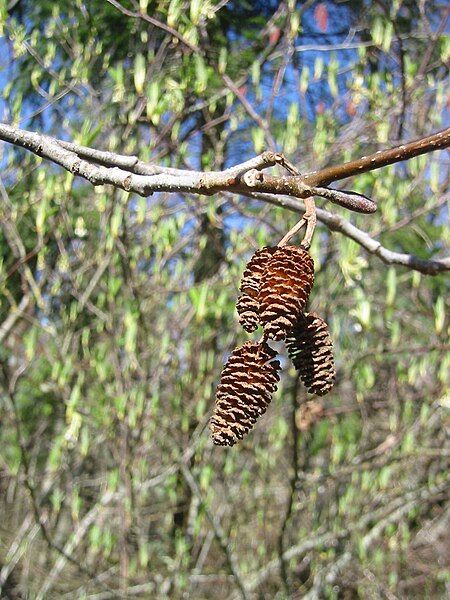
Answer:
(110, 371)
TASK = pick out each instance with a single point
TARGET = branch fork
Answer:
(133, 175)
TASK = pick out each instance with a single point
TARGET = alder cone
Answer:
(247, 304)
(310, 348)
(248, 381)
(284, 290)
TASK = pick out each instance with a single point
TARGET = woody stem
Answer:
(311, 220)
(284, 240)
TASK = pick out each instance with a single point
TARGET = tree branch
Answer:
(133, 175)
(337, 223)
(382, 158)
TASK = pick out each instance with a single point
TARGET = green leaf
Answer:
(3, 16)
(377, 31)
(139, 73)
(201, 74)
(131, 329)
(333, 67)
(223, 57)
(318, 68)
(391, 286)
(196, 11)
(387, 36)
(439, 315)
(198, 297)
(304, 79)
(256, 72)
(116, 221)
(258, 138)
(42, 213)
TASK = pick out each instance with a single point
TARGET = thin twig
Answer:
(31, 489)
(250, 110)
(72, 543)
(14, 314)
(337, 223)
(293, 231)
(384, 516)
(292, 487)
(218, 533)
(155, 23)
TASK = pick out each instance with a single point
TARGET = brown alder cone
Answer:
(248, 381)
(284, 290)
(310, 348)
(247, 304)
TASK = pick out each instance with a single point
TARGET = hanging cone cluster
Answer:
(310, 348)
(248, 304)
(275, 288)
(248, 381)
(284, 290)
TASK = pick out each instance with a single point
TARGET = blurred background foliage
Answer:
(117, 312)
